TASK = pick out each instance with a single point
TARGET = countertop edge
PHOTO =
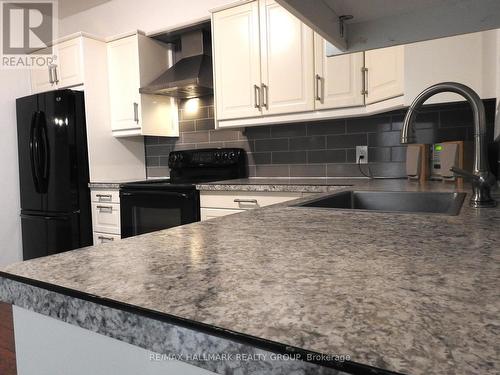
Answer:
(351, 367)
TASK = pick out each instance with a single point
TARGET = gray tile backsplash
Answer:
(317, 149)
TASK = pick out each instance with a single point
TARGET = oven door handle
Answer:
(156, 192)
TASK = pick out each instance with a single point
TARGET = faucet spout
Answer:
(483, 178)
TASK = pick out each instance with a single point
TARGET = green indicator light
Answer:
(438, 148)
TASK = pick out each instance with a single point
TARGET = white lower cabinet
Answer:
(106, 223)
(221, 203)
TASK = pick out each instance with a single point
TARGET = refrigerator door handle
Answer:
(34, 150)
(42, 217)
(45, 152)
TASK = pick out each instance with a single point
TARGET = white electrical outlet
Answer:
(362, 154)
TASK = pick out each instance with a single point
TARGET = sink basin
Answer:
(392, 201)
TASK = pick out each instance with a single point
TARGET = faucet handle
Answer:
(463, 173)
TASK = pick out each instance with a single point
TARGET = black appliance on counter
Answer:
(148, 206)
(53, 173)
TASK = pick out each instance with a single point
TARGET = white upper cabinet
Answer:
(338, 79)
(134, 62)
(66, 71)
(384, 74)
(287, 61)
(263, 58)
(237, 61)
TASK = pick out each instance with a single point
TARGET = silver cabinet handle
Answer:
(364, 72)
(238, 200)
(318, 87)
(256, 92)
(109, 208)
(265, 96)
(56, 80)
(136, 112)
(104, 197)
(51, 77)
(103, 238)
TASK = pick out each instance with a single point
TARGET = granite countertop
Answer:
(415, 294)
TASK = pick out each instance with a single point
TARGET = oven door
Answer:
(144, 211)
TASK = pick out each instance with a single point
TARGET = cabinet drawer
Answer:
(210, 213)
(231, 200)
(106, 217)
(105, 196)
(100, 238)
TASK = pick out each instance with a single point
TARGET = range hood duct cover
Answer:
(192, 75)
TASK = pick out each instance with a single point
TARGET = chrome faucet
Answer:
(482, 178)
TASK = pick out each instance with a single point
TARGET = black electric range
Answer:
(148, 206)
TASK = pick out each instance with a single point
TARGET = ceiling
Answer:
(69, 7)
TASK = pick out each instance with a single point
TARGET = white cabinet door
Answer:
(338, 79)
(106, 217)
(42, 79)
(68, 70)
(237, 61)
(385, 73)
(123, 70)
(100, 238)
(287, 61)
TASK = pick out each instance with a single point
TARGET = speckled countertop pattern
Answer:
(416, 294)
(303, 185)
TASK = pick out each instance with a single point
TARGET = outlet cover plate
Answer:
(362, 151)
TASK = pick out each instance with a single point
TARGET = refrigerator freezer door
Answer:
(45, 235)
(59, 163)
(27, 124)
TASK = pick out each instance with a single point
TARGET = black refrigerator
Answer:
(53, 173)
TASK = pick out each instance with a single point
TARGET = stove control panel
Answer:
(210, 157)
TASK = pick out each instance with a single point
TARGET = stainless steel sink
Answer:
(392, 201)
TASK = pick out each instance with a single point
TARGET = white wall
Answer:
(121, 16)
(13, 84)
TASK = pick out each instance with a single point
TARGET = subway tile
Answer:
(270, 171)
(157, 172)
(257, 132)
(245, 145)
(184, 146)
(316, 142)
(209, 145)
(201, 112)
(168, 140)
(384, 139)
(453, 134)
(308, 170)
(150, 140)
(224, 135)
(326, 156)
(368, 124)
(152, 161)
(346, 141)
(289, 157)
(456, 118)
(351, 155)
(343, 170)
(398, 153)
(424, 120)
(157, 150)
(393, 170)
(278, 144)
(194, 137)
(379, 154)
(259, 158)
(164, 161)
(186, 126)
(326, 127)
(211, 112)
(205, 124)
(288, 131)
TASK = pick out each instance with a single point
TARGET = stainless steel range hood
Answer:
(191, 76)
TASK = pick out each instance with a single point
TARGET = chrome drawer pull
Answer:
(104, 196)
(238, 200)
(102, 238)
(110, 208)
